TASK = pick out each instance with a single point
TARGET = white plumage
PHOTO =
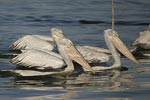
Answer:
(43, 37)
(36, 50)
(33, 42)
(93, 56)
(41, 59)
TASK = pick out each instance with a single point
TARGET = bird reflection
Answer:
(77, 84)
(107, 79)
(111, 80)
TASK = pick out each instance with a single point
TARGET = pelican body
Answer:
(143, 41)
(142, 45)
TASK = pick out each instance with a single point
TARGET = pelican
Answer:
(143, 41)
(68, 53)
(113, 42)
(142, 44)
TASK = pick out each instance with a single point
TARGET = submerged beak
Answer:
(122, 48)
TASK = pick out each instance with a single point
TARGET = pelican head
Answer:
(57, 33)
(110, 33)
(112, 36)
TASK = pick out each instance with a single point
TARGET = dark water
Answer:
(83, 21)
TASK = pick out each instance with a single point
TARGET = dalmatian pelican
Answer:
(68, 52)
(142, 44)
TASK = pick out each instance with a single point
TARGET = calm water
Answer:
(83, 21)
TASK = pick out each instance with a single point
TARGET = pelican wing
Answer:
(31, 42)
(38, 59)
(123, 49)
(75, 55)
(92, 55)
(45, 38)
(98, 49)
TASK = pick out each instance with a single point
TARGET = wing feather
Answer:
(39, 59)
(31, 42)
(45, 38)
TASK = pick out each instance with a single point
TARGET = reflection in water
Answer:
(77, 80)
(117, 99)
(147, 61)
(75, 86)
(70, 86)
(108, 84)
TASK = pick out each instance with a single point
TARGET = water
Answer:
(83, 21)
